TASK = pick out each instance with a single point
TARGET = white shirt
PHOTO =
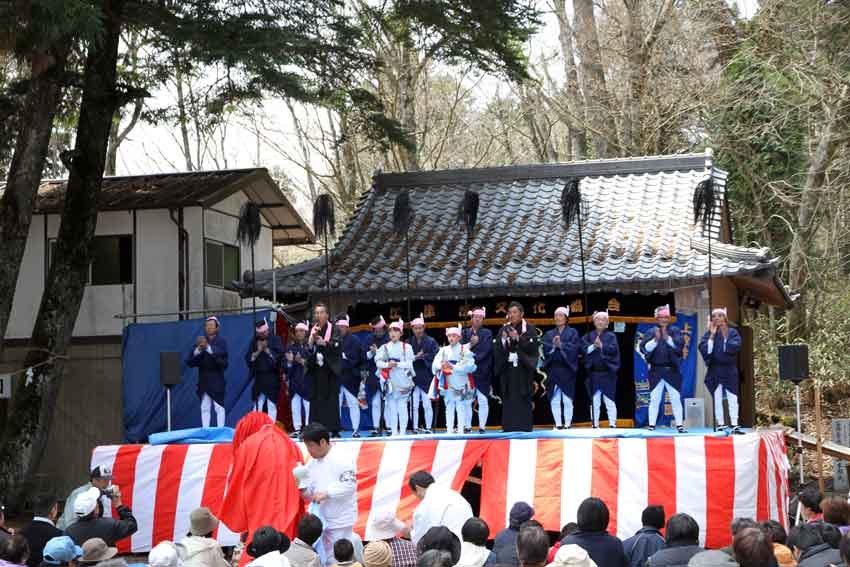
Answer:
(441, 506)
(335, 475)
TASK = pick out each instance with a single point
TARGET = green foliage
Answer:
(37, 24)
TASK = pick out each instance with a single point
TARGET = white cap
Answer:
(164, 555)
(385, 526)
(86, 503)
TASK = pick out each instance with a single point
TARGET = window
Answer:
(222, 267)
(112, 260)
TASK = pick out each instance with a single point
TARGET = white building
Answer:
(165, 243)
(142, 267)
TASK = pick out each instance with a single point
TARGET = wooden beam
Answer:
(810, 442)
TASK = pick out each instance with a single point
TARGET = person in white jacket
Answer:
(267, 547)
(473, 550)
(394, 363)
(329, 481)
(199, 548)
(439, 506)
(453, 366)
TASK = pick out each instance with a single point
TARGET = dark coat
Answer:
(264, 371)
(642, 545)
(371, 377)
(352, 359)
(295, 373)
(211, 369)
(561, 364)
(423, 375)
(605, 549)
(37, 535)
(325, 380)
(517, 382)
(109, 530)
(602, 364)
(483, 375)
(665, 361)
(673, 556)
(504, 548)
(821, 555)
(722, 363)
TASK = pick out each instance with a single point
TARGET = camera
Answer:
(109, 492)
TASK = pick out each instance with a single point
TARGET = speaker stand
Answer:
(799, 438)
(168, 407)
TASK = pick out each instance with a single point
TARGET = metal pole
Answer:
(800, 439)
(168, 405)
(274, 285)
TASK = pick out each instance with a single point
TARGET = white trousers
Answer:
(421, 397)
(272, 407)
(656, 396)
(376, 410)
(395, 413)
(207, 404)
(454, 403)
(610, 406)
(353, 407)
(297, 420)
(483, 410)
(329, 537)
(558, 398)
(731, 399)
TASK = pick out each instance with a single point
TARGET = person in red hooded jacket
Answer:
(262, 490)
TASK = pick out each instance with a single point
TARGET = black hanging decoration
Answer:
(402, 217)
(401, 212)
(468, 215)
(324, 223)
(705, 201)
(570, 202)
(247, 233)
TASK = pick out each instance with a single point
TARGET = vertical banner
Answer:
(688, 324)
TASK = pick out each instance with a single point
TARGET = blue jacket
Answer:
(483, 374)
(504, 548)
(296, 373)
(372, 378)
(642, 545)
(722, 363)
(265, 369)
(664, 361)
(211, 369)
(352, 362)
(602, 364)
(605, 549)
(561, 364)
(422, 366)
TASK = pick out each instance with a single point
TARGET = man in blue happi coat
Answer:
(561, 347)
(662, 347)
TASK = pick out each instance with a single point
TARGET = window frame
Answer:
(51, 244)
(221, 244)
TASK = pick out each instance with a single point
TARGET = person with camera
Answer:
(264, 361)
(100, 477)
(210, 358)
(90, 523)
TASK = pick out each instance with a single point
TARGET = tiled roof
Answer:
(638, 231)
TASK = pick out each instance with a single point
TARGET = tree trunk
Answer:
(407, 105)
(34, 405)
(182, 116)
(576, 129)
(829, 141)
(597, 97)
(117, 136)
(31, 147)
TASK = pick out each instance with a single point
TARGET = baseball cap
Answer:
(104, 473)
(86, 503)
(61, 551)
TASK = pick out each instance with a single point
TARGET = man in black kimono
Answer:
(324, 369)
(515, 354)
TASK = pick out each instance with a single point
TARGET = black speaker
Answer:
(170, 368)
(793, 362)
